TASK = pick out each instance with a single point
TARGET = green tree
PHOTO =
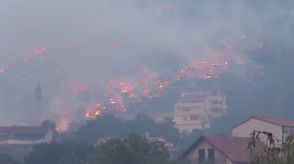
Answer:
(49, 125)
(108, 125)
(38, 92)
(6, 159)
(273, 151)
(59, 153)
(134, 149)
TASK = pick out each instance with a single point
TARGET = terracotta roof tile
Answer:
(11, 130)
(235, 148)
(275, 120)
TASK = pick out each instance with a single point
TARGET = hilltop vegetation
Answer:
(133, 149)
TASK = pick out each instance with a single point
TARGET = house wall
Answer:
(228, 161)
(196, 114)
(246, 128)
(47, 139)
(287, 131)
(183, 113)
(217, 106)
(219, 157)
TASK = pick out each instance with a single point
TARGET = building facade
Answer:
(25, 135)
(219, 150)
(194, 110)
(280, 128)
(168, 145)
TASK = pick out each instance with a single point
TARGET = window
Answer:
(28, 136)
(185, 131)
(201, 155)
(185, 118)
(195, 117)
(288, 130)
(216, 110)
(4, 136)
(214, 102)
(211, 155)
(185, 110)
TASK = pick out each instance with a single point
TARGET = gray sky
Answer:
(92, 41)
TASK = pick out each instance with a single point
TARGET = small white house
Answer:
(219, 150)
(280, 128)
(25, 135)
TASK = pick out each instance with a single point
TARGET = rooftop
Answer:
(193, 98)
(22, 129)
(275, 120)
(23, 132)
(272, 120)
(235, 148)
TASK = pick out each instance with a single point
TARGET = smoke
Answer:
(90, 42)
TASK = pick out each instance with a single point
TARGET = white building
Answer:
(25, 135)
(280, 128)
(169, 145)
(103, 140)
(195, 109)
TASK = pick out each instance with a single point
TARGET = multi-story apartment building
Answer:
(194, 110)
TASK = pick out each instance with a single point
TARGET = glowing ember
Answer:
(161, 87)
(99, 107)
(146, 92)
(98, 113)
(78, 89)
(118, 94)
(124, 110)
(181, 76)
(112, 101)
(114, 42)
(125, 88)
(1, 70)
(38, 51)
(203, 63)
(209, 75)
(67, 108)
(23, 59)
(88, 115)
(229, 46)
(63, 125)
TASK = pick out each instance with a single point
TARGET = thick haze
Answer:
(92, 41)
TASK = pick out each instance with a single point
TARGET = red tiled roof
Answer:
(275, 120)
(235, 148)
(22, 129)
